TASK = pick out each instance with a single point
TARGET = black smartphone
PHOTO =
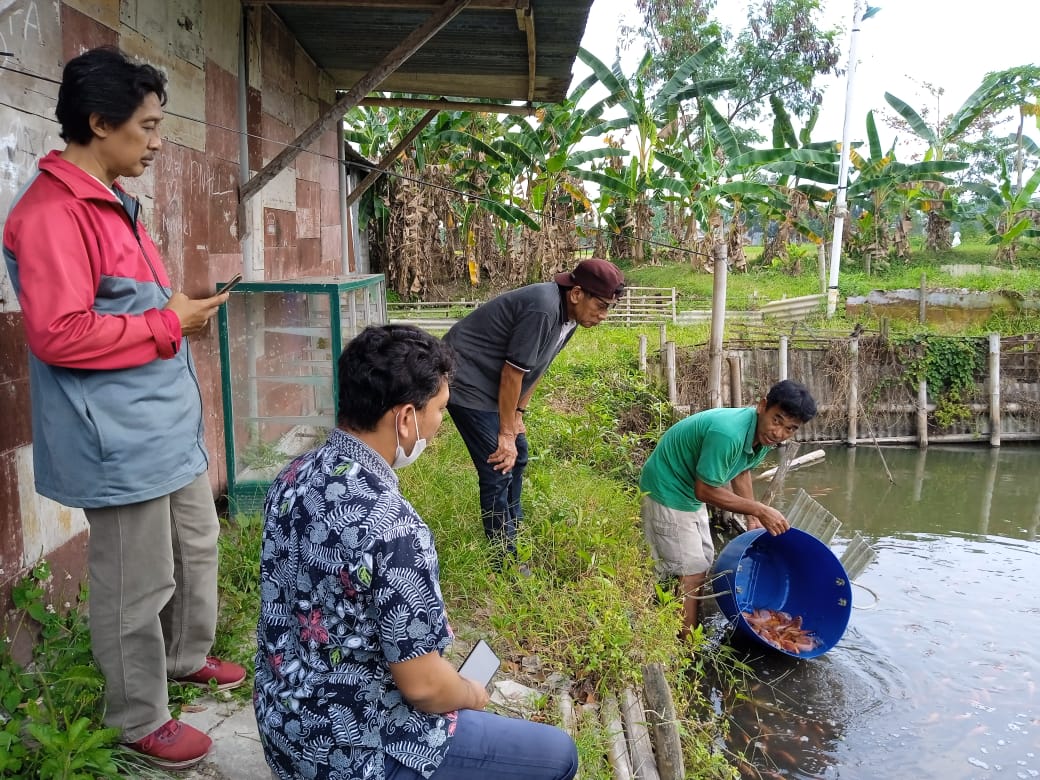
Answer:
(231, 284)
(481, 663)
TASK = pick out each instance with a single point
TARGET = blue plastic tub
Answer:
(794, 572)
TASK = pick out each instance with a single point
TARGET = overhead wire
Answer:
(366, 166)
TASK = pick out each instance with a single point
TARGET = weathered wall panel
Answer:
(81, 32)
(221, 113)
(184, 123)
(221, 34)
(105, 12)
(46, 524)
(176, 23)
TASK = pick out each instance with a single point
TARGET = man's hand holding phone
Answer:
(195, 313)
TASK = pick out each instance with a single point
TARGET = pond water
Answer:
(939, 677)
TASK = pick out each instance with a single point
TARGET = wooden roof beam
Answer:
(414, 41)
(525, 19)
(381, 166)
(449, 105)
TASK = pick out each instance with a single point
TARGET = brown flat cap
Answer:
(597, 277)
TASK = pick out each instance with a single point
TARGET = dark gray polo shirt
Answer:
(522, 327)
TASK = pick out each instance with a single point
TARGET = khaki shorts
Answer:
(679, 541)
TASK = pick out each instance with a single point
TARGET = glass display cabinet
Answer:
(280, 342)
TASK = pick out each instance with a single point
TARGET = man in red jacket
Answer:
(117, 410)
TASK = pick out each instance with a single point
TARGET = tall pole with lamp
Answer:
(840, 207)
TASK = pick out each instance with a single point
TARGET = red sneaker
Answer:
(225, 674)
(174, 745)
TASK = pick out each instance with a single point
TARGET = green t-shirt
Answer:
(714, 446)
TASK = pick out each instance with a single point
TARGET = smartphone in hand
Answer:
(481, 663)
(229, 286)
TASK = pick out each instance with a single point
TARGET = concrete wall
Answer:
(189, 197)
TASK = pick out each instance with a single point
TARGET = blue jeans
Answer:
(486, 746)
(499, 493)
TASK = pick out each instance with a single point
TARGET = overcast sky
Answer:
(949, 43)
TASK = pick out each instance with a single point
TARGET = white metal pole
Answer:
(843, 171)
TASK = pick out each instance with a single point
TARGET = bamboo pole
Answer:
(663, 720)
(736, 394)
(669, 362)
(640, 749)
(617, 749)
(664, 335)
(782, 358)
(853, 390)
(994, 390)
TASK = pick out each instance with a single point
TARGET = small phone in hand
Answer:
(229, 286)
(481, 664)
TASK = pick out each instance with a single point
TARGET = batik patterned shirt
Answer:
(348, 584)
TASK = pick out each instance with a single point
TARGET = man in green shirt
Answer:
(706, 459)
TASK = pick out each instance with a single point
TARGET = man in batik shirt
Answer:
(350, 680)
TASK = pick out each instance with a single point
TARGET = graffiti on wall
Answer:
(30, 39)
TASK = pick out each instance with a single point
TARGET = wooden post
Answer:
(736, 391)
(669, 365)
(642, 352)
(675, 313)
(640, 748)
(922, 414)
(664, 335)
(781, 369)
(663, 720)
(922, 316)
(853, 390)
(718, 322)
(994, 390)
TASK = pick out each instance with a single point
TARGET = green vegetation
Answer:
(592, 611)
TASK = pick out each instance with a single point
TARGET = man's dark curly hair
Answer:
(387, 365)
(105, 82)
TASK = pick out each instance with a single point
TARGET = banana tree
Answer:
(1012, 212)
(656, 121)
(939, 138)
(800, 179)
(721, 178)
(881, 190)
(1019, 88)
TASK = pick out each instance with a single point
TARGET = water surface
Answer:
(938, 677)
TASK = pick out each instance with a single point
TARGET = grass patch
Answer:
(761, 284)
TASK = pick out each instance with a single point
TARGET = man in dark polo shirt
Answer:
(503, 348)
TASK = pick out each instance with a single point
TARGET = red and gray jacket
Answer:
(116, 404)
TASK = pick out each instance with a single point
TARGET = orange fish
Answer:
(781, 630)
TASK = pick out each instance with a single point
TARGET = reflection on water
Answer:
(939, 677)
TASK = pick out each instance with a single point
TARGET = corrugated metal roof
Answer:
(481, 53)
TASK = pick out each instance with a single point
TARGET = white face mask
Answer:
(400, 458)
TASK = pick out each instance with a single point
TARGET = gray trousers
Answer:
(153, 600)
